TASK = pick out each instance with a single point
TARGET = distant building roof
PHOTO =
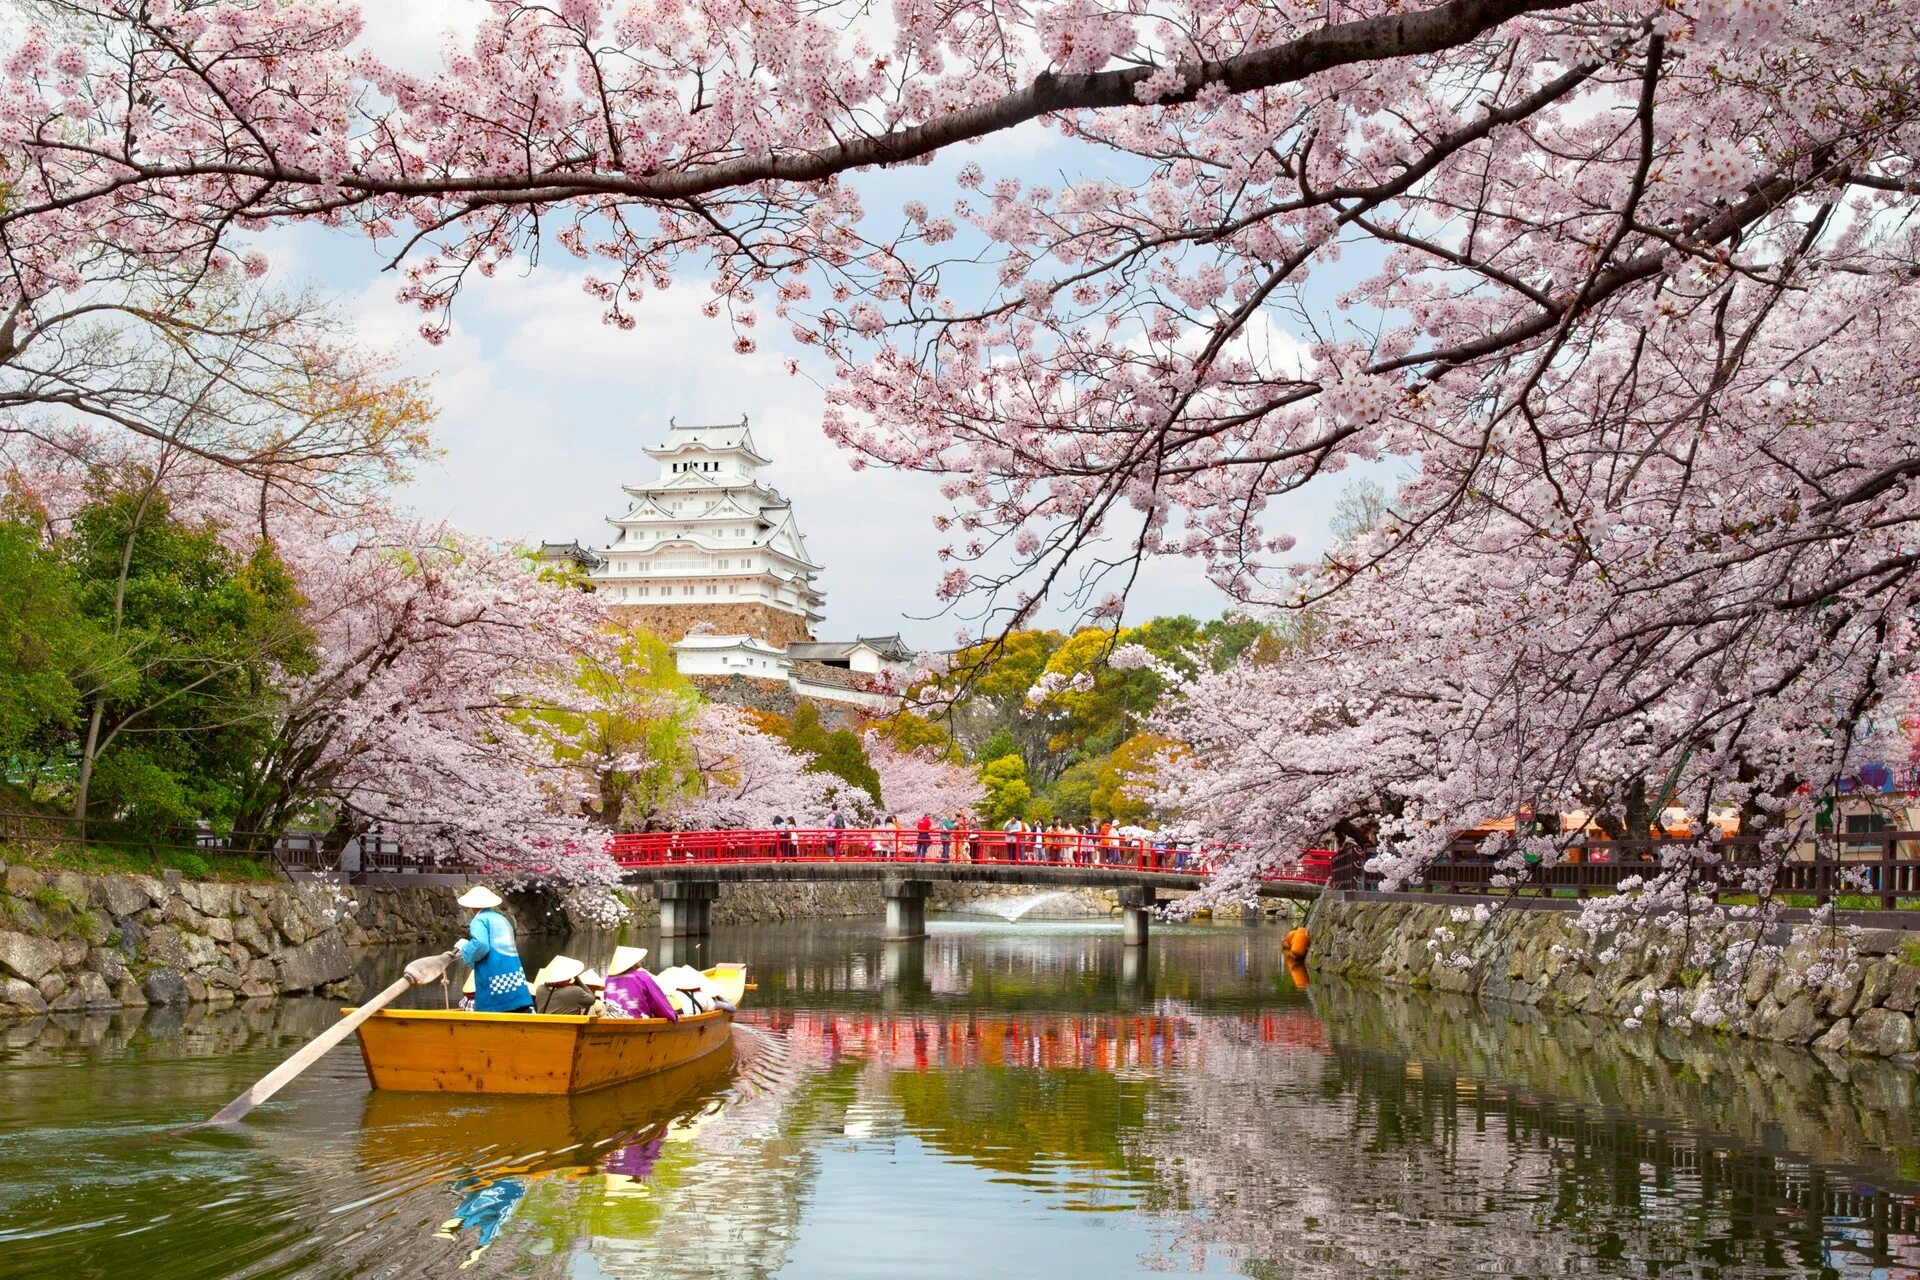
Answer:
(712, 641)
(719, 438)
(569, 551)
(823, 651)
(890, 647)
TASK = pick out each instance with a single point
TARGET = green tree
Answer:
(1008, 792)
(909, 732)
(45, 640)
(1229, 636)
(637, 741)
(198, 637)
(1002, 743)
(1071, 794)
(992, 681)
(838, 752)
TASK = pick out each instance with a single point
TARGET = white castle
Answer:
(707, 545)
(707, 532)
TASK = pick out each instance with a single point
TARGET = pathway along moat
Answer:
(998, 1100)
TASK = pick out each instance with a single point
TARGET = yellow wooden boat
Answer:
(452, 1051)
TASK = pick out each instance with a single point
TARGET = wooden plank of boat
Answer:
(453, 1051)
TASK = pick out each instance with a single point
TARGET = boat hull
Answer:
(451, 1051)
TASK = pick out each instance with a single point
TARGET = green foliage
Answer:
(1008, 793)
(1000, 744)
(124, 859)
(45, 642)
(992, 684)
(197, 640)
(1072, 792)
(1074, 745)
(839, 753)
(910, 732)
(638, 739)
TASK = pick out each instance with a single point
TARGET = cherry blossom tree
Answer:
(921, 780)
(747, 778)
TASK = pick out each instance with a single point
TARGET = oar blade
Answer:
(425, 969)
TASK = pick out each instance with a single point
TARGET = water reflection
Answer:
(992, 1099)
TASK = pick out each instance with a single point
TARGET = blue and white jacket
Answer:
(499, 983)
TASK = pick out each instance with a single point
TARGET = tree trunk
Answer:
(1638, 818)
(84, 778)
(91, 748)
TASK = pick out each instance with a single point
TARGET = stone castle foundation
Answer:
(672, 621)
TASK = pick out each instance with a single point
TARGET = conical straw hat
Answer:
(559, 969)
(479, 897)
(625, 958)
(683, 977)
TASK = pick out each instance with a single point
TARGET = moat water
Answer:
(1000, 1099)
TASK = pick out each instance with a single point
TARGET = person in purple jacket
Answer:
(631, 991)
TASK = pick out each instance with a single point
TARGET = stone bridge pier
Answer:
(1136, 905)
(686, 907)
(906, 907)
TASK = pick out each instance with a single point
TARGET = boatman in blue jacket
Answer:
(499, 983)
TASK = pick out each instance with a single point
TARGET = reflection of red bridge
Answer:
(1035, 857)
(1088, 1042)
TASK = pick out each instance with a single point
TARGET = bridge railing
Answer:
(885, 845)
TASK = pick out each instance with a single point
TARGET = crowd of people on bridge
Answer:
(959, 837)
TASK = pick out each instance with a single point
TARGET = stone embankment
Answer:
(70, 942)
(1843, 991)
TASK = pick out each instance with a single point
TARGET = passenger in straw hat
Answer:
(560, 989)
(466, 993)
(500, 984)
(631, 990)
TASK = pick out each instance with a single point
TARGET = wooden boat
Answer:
(452, 1051)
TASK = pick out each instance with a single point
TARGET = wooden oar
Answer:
(425, 969)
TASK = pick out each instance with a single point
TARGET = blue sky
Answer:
(544, 409)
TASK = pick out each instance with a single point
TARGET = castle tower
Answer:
(706, 541)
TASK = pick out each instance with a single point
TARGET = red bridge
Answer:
(687, 867)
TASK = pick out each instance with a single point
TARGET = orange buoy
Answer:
(1295, 943)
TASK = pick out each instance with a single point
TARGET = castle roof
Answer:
(732, 437)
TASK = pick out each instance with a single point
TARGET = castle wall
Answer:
(672, 621)
(774, 696)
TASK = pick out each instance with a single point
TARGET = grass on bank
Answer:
(102, 859)
(32, 838)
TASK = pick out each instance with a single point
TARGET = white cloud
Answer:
(411, 34)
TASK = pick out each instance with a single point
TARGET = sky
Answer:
(545, 409)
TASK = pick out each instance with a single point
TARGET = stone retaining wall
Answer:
(1851, 991)
(69, 941)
